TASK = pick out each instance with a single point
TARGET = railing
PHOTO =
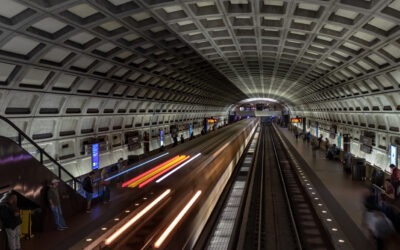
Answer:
(44, 157)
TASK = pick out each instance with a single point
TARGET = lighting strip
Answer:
(126, 183)
(156, 171)
(162, 172)
(177, 219)
(122, 229)
(135, 167)
(176, 169)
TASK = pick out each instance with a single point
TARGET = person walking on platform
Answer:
(379, 226)
(9, 214)
(54, 200)
(87, 185)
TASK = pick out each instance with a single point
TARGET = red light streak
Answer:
(126, 183)
(162, 172)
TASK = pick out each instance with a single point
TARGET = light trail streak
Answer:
(135, 167)
(122, 229)
(177, 219)
(126, 183)
(162, 172)
(176, 169)
(156, 171)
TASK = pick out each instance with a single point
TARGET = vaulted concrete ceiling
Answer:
(211, 52)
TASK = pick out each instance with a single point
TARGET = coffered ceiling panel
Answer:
(211, 52)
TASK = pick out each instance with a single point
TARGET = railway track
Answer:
(176, 220)
(279, 213)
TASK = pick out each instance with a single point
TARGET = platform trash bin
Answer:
(358, 169)
(26, 226)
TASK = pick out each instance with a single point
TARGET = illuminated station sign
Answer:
(95, 156)
(296, 120)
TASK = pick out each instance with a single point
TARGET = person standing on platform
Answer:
(54, 200)
(347, 159)
(308, 137)
(120, 164)
(389, 189)
(120, 168)
(106, 186)
(117, 166)
(326, 144)
(182, 139)
(9, 214)
(146, 143)
(314, 144)
(174, 135)
(395, 178)
(319, 141)
(87, 185)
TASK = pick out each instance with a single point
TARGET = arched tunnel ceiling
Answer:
(213, 52)
(103, 48)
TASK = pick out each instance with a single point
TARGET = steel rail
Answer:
(290, 210)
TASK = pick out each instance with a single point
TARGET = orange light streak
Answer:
(126, 183)
(155, 171)
(162, 172)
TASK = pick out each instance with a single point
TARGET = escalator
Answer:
(26, 169)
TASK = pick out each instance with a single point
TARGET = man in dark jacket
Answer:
(87, 185)
(395, 178)
(319, 141)
(54, 200)
(9, 214)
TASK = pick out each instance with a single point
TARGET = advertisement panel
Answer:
(95, 156)
(296, 120)
(393, 154)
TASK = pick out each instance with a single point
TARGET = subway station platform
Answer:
(342, 195)
(338, 191)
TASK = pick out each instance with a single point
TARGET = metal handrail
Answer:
(42, 152)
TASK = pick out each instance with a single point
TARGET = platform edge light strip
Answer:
(135, 167)
(176, 169)
(122, 229)
(177, 219)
